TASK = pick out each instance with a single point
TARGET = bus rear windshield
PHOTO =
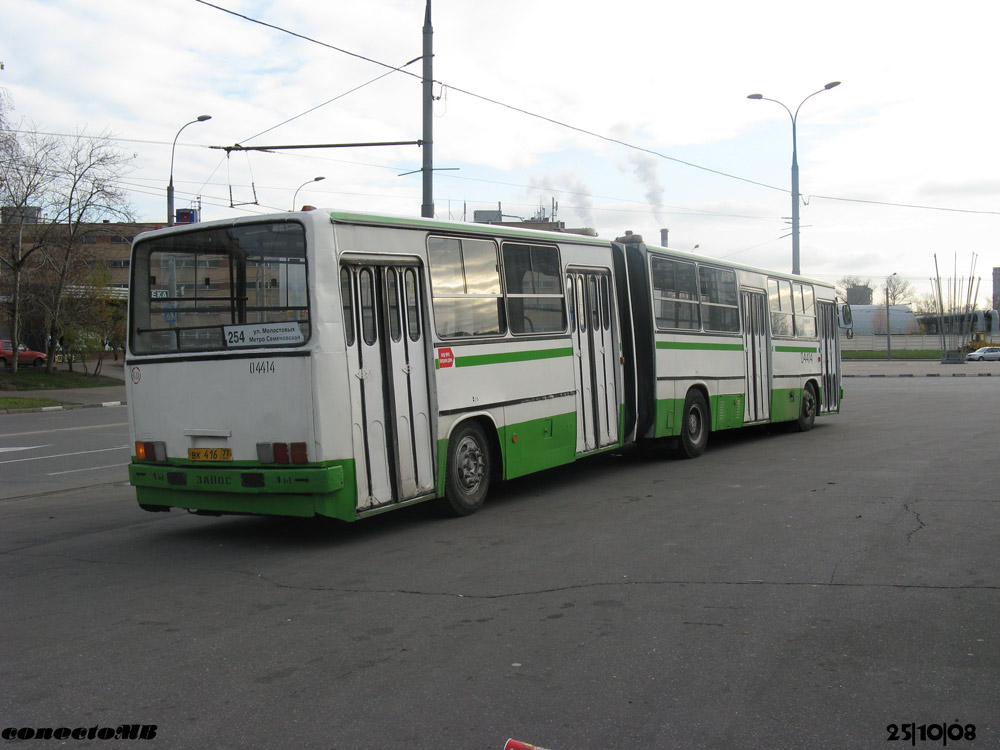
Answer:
(234, 287)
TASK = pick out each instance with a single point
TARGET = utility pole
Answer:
(427, 207)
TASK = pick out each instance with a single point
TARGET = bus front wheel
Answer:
(467, 477)
(695, 425)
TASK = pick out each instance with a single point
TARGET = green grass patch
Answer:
(20, 402)
(902, 354)
(36, 379)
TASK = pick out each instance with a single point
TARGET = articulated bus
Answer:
(341, 364)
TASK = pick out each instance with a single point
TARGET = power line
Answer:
(905, 205)
(568, 126)
(330, 101)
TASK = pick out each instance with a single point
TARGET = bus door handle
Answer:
(363, 374)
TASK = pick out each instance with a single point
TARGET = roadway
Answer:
(782, 591)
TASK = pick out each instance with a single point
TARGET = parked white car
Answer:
(984, 352)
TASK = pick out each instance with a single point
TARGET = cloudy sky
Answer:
(631, 115)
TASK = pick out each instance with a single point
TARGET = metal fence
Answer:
(900, 342)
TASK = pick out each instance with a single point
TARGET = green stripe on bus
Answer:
(793, 349)
(475, 360)
(695, 345)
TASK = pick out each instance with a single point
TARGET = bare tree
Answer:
(28, 165)
(53, 189)
(85, 192)
(925, 304)
(900, 290)
(856, 291)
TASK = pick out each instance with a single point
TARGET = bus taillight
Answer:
(282, 453)
(150, 450)
(299, 453)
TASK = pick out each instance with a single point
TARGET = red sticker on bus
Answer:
(446, 358)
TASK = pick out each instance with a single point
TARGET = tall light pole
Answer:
(888, 330)
(170, 187)
(427, 206)
(795, 168)
(296, 195)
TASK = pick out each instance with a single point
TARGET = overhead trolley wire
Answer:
(568, 126)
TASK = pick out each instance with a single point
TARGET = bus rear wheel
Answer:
(467, 476)
(695, 426)
(807, 414)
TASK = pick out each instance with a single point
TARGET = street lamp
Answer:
(888, 330)
(296, 195)
(170, 187)
(795, 168)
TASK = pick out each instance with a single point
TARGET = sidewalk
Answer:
(909, 368)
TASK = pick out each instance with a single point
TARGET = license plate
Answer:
(210, 454)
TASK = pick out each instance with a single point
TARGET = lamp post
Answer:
(296, 194)
(170, 187)
(888, 330)
(795, 168)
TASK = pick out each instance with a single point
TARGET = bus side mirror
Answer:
(847, 320)
(846, 317)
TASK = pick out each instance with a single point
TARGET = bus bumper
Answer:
(326, 490)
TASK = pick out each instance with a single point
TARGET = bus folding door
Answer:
(387, 359)
(829, 342)
(756, 351)
(596, 356)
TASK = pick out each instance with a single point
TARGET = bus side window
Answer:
(595, 306)
(571, 296)
(392, 292)
(465, 287)
(605, 303)
(347, 300)
(412, 304)
(367, 291)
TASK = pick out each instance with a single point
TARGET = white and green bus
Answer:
(342, 365)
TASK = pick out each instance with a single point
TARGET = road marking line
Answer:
(89, 468)
(63, 455)
(23, 448)
(67, 429)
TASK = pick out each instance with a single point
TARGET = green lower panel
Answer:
(785, 404)
(668, 417)
(727, 413)
(538, 444)
(327, 490)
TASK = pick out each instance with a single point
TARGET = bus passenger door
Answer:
(389, 391)
(756, 353)
(595, 357)
(829, 352)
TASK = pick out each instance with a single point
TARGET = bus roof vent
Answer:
(630, 238)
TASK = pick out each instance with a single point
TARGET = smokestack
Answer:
(663, 237)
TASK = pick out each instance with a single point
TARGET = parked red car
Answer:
(25, 356)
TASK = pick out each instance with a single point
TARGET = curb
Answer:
(63, 407)
(925, 375)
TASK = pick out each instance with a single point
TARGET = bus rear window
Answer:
(233, 287)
